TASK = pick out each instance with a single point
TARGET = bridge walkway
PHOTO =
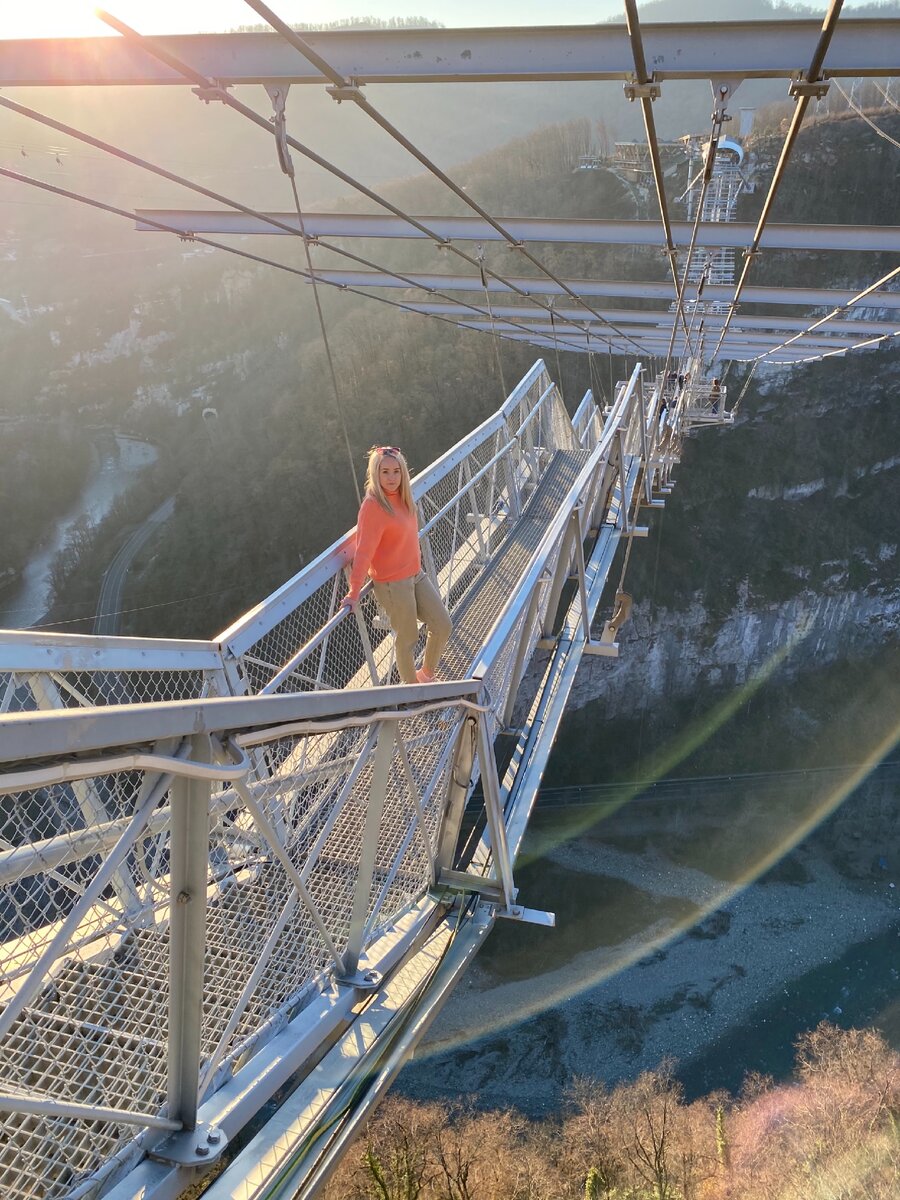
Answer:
(219, 859)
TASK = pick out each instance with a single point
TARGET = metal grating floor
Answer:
(477, 613)
(105, 1021)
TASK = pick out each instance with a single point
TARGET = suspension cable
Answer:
(267, 218)
(747, 381)
(495, 339)
(873, 287)
(803, 97)
(209, 89)
(91, 202)
(718, 118)
(644, 92)
(868, 120)
(344, 89)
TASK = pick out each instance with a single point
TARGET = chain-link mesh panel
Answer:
(34, 690)
(285, 895)
(93, 1026)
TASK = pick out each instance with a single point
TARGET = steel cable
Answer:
(211, 90)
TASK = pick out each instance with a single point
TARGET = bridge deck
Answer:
(96, 1032)
(476, 614)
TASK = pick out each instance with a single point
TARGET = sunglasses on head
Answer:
(387, 449)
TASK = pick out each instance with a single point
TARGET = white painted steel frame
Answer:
(735, 234)
(644, 290)
(48, 735)
(692, 50)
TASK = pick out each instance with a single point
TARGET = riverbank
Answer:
(118, 461)
(663, 950)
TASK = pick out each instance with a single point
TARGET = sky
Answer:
(75, 18)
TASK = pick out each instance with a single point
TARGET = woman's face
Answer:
(390, 475)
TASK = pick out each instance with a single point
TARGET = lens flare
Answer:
(515, 1002)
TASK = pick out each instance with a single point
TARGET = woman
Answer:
(387, 549)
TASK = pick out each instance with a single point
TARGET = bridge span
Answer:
(231, 872)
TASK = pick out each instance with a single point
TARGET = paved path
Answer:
(107, 619)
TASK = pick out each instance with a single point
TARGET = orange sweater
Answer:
(387, 545)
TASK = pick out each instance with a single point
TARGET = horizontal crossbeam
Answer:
(531, 229)
(653, 337)
(736, 50)
(644, 290)
(638, 319)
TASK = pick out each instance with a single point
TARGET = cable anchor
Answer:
(278, 95)
(815, 89)
(349, 91)
(642, 91)
(218, 92)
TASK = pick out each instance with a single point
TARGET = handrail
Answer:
(466, 488)
(502, 626)
(51, 733)
(254, 625)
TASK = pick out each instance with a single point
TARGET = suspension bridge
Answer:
(235, 883)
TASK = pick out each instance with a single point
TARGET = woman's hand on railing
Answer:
(350, 601)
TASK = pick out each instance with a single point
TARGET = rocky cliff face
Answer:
(767, 592)
(671, 653)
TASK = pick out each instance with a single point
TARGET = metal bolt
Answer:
(183, 898)
(202, 1150)
(214, 1137)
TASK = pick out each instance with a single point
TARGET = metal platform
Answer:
(212, 851)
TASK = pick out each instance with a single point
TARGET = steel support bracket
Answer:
(469, 883)
(348, 92)
(209, 94)
(362, 981)
(196, 1147)
(815, 89)
(607, 647)
(528, 916)
(642, 91)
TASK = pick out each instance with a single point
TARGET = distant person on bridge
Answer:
(387, 549)
(715, 395)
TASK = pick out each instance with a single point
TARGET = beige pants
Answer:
(406, 602)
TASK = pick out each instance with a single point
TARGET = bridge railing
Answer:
(299, 639)
(165, 909)
(181, 881)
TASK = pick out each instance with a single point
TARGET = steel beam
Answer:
(187, 937)
(690, 50)
(739, 352)
(730, 234)
(644, 290)
(638, 321)
(651, 336)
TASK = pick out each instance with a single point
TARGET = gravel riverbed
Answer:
(691, 967)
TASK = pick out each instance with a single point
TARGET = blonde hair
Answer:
(377, 455)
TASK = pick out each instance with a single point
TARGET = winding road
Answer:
(110, 602)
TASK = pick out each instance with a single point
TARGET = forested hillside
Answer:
(830, 1132)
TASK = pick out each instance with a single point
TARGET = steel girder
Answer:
(734, 50)
(651, 339)
(624, 317)
(644, 290)
(529, 229)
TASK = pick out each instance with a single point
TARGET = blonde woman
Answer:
(387, 550)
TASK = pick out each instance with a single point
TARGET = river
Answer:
(118, 459)
(671, 941)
